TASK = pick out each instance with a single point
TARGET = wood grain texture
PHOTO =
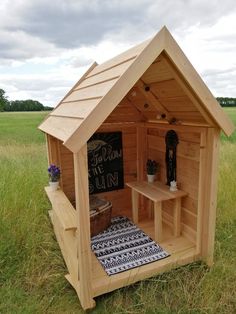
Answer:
(114, 71)
(181, 249)
(76, 109)
(210, 198)
(60, 127)
(94, 91)
(124, 112)
(83, 230)
(62, 208)
(67, 243)
(157, 72)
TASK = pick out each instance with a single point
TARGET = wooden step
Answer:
(63, 208)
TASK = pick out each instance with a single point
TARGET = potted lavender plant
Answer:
(54, 176)
(152, 168)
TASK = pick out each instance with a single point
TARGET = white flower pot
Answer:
(151, 177)
(173, 186)
(54, 185)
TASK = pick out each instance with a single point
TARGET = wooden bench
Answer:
(63, 208)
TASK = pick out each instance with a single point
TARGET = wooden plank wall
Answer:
(67, 170)
(188, 152)
(61, 156)
(121, 199)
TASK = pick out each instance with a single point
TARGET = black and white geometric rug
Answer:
(123, 246)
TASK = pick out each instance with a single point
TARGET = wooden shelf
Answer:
(156, 191)
(62, 207)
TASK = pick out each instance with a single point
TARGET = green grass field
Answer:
(31, 267)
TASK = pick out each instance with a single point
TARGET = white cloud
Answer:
(45, 46)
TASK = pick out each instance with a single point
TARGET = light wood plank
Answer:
(188, 116)
(115, 71)
(94, 91)
(53, 126)
(63, 208)
(124, 112)
(83, 231)
(67, 243)
(141, 148)
(158, 221)
(184, 149)
(158, 71)
(209, 211)
(180, 103)
(166, 89)
(186, 135)
(135, 206)
(77, 109)
(202, 189)
(180, 128)
(177, 217)
(189, 233)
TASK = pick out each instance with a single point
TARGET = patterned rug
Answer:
(124, 246)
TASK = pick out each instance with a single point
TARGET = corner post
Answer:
(210, 199)
(83, 228)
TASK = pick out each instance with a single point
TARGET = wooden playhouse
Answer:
(142, 94)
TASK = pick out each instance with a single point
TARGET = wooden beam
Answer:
(141, 157)
(83, 230)
(209, 210)
(202, 188)
(153, 100)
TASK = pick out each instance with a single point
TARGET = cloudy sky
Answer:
(46, 45)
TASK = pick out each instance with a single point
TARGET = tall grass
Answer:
(32, 269)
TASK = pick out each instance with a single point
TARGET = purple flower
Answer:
(54, 173)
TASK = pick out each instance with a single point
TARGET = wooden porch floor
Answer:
(182, 251)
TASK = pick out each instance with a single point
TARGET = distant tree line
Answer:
(34, 105)
(20, 105)
(226, 101)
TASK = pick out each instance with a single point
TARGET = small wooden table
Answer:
(157, 192)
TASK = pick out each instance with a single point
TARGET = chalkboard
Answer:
(105, 162)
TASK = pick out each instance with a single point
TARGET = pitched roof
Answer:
(103, 87)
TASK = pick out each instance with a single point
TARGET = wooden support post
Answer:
(49, 156)
(158, 221)
(177, 216)
(83, 230)
(201, 190)
(135, 199)
(141, 158)
(150, 209)
(209, 210)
